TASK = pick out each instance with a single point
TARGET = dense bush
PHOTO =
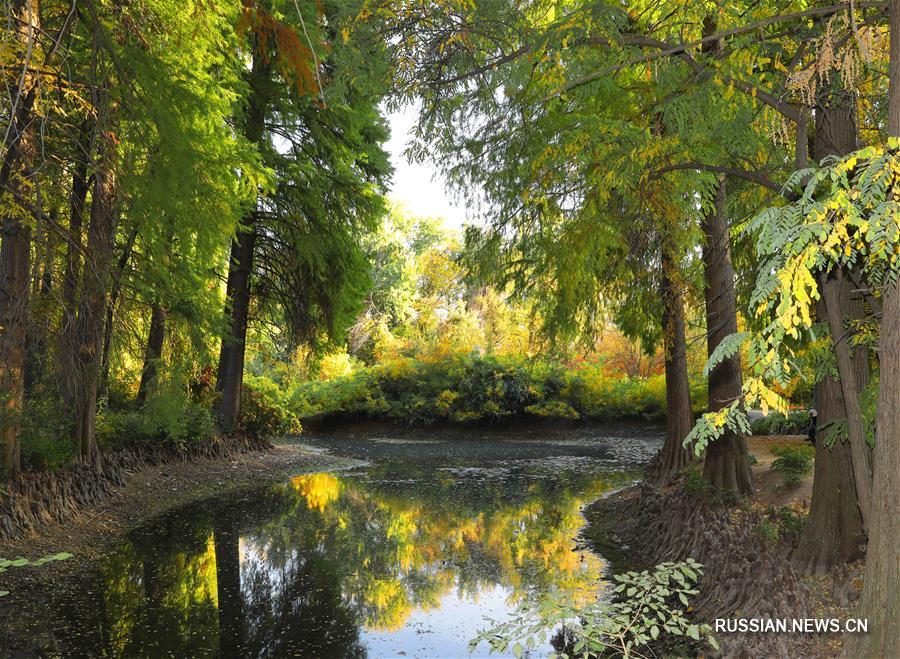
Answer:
(45, 438)
(472, 388)
(794, 462)
(775, 423)
(162, 420)
(264, 412)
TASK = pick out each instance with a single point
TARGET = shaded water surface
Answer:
(402, 557)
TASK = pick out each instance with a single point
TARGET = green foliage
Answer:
(794, 462)
(6, 563)
(696, 485)
(792, 523)
(729, 347)
(844, 216)
(768, 530)
(782, 524)
(264, 412)
(463, 388)
(647, 606)
(712, 425)
(173, 416)
(794, 422)
(45, 434)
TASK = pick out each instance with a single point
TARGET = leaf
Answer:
(728, 347)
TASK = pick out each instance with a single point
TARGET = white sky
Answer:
(419, 188)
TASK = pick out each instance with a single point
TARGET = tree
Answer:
(298, 243)
(880, 601)
(727, 464)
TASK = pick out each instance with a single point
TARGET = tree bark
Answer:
(94, 298)
(836, 135)
(15, 244)
(71, 274)
(727, 463)
(231, 362)
(880, 601)
(834, 532)
(155, 340)
(240, 265)
(673, 456)
(835, 294)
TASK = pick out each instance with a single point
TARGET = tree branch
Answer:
(677, 50)
(755, 177)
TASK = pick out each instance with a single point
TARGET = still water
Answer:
(403, 556)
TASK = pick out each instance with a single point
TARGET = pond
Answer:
(407, 554)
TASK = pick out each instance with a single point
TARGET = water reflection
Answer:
(400, 557)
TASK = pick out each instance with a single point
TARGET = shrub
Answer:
(471, 388)
(768, 530)
(45, 435)
(264, 412)
(163, 420)
(792, 523)
(794, 462)
(696, 485)
(775, 423)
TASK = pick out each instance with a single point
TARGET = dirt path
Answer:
(146, 494)
(769, 484)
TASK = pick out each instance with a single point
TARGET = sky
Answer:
(419, 188)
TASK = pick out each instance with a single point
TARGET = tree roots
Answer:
(744, 576)
(37, 499)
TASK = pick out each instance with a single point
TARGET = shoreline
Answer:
(146, 494)
(612, 531)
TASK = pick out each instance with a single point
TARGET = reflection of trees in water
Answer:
(296, 609)
(302, 566)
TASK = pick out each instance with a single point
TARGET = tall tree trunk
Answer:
(880, 601)
(77, 199)
(15, 242)
(15, 251)
(94, 298)
(231, 359)
(42, 282)
(240, 264)
(673, 456)
(835, 290)
(155, 340)
(727, 463)
(835, 530)
(836, 135)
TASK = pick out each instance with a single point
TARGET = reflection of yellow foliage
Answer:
(196, 579)
(318, 489)
(391, 603)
